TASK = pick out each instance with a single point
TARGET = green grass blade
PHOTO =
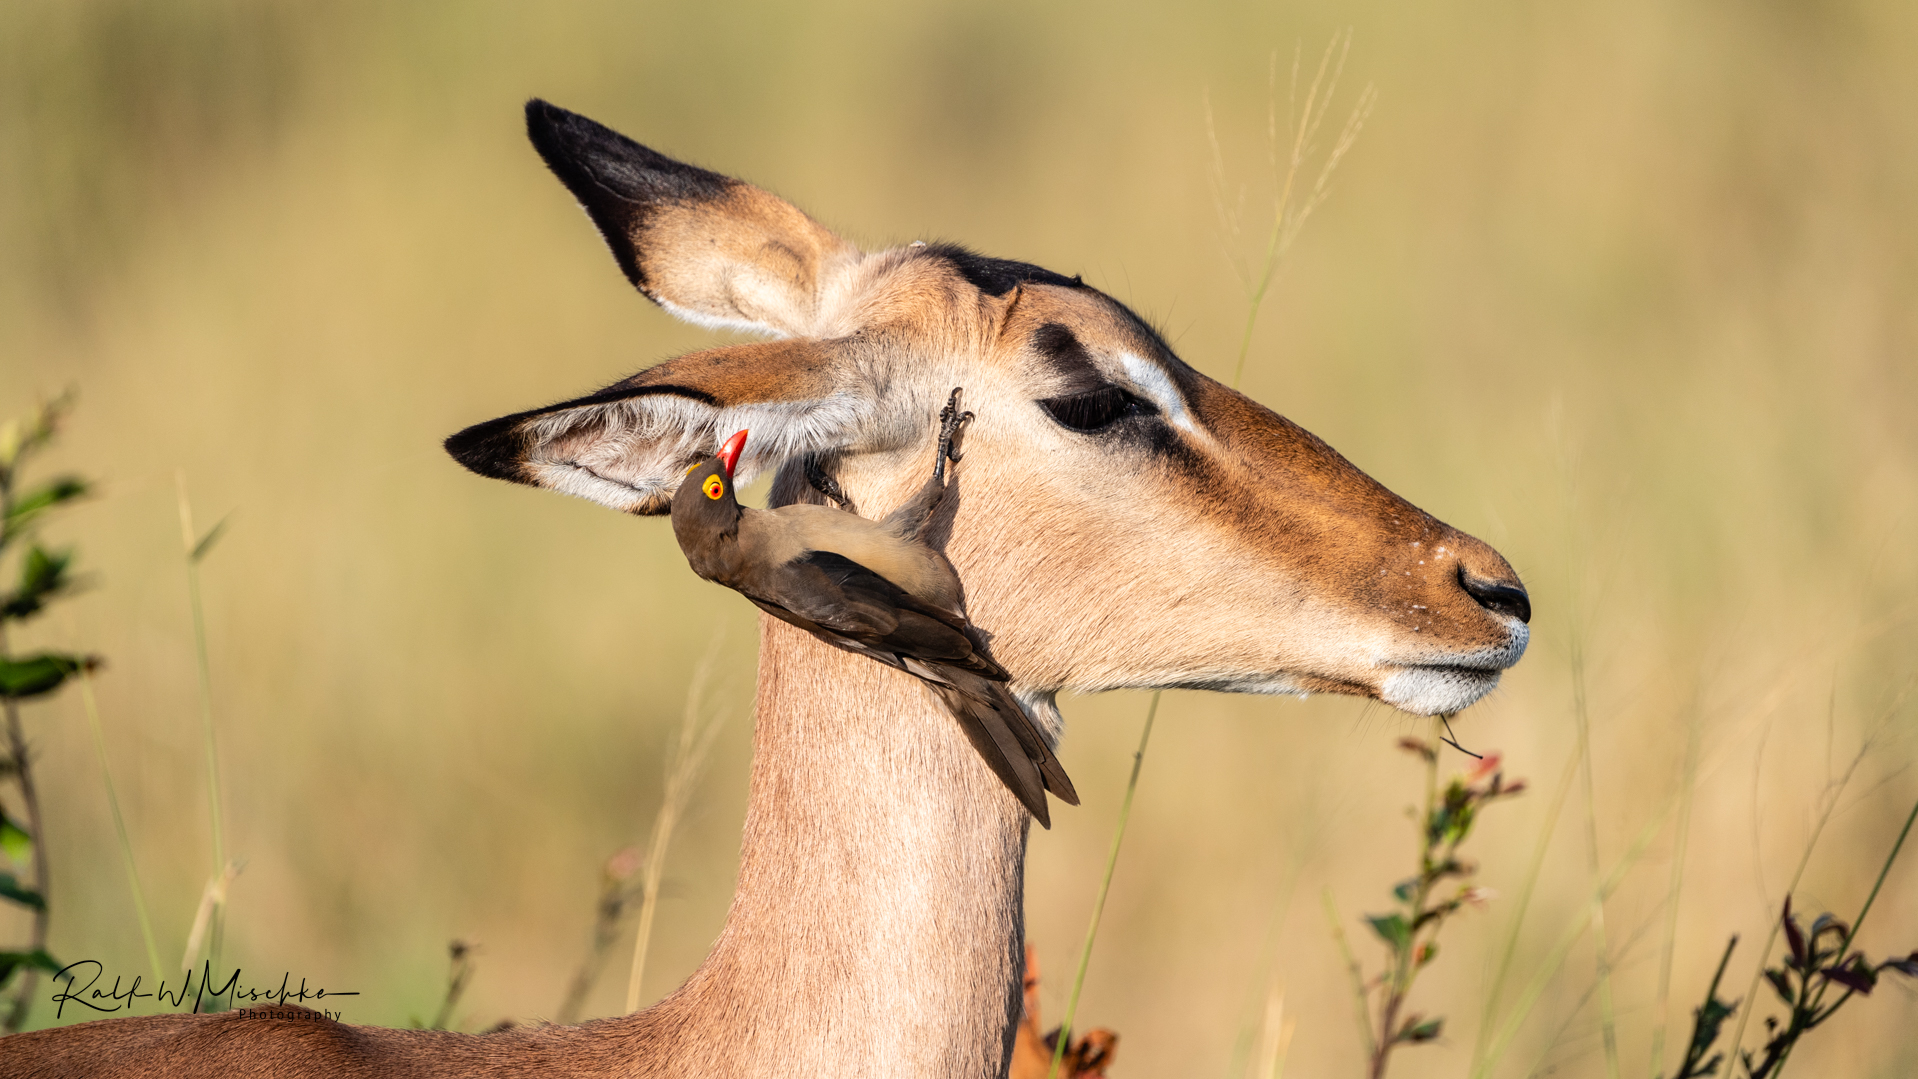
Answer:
(1556, 958)
(1105, 886)
(1524, 904)
(1680, 842)
(120, 826)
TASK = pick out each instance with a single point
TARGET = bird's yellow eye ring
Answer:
(715, 487)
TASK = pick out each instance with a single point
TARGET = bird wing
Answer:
(848, 605)
(836, 594)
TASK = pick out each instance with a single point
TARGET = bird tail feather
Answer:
(1000, 729)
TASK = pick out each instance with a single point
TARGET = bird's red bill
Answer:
(729, 453)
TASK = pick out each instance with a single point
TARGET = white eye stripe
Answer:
(1151, 381)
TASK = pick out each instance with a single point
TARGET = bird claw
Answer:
(826, 485)
(951, 423)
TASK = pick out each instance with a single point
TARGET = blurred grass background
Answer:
(1628, 289)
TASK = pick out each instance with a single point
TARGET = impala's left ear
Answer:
(629, 445)
(708, 248)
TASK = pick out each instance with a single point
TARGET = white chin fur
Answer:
(1427, 691)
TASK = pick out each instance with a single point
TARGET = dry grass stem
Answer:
(1275, 1035)
(1829, 804)
(697, 732)
(120, 826)
(1292, 202)
(1688, 785)
(207, 916)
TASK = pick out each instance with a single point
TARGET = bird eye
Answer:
(1096, 408)
(715, 487)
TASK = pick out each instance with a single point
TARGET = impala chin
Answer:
(1427, 691)
(1453, 682)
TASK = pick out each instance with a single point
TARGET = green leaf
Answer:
(37, 959)
(15, 840)
(1780, 983)
(1391, 928)
(1415, 1032)
(40, 499)
(1406, 889)
(207, 541)
(42, 575)
(34, 675)
(14, 890)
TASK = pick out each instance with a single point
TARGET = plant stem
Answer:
(194, 548)
(189, 541)
(1105, 886)
(1844, 948)
(30, 802)
(1352, 967)
(1771, 938)
(1681, 840)
(120, 825)
(1524, 904)
(695, 740)
(1509, 1029)
(1404, 958)
(1608, 1029)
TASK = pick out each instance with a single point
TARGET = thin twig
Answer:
(459, 975)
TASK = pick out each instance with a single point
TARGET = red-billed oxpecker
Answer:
(871, 587)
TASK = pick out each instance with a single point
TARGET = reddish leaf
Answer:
(1859, 981)
(1794, 936)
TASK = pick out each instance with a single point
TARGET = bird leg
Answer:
(909, 520)
(826, 485)
(951, 423)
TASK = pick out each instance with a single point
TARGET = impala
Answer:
(1119, 521)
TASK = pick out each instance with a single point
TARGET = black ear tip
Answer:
(493, 449)
(545, 120)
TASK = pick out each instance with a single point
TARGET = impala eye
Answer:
(1094, 409)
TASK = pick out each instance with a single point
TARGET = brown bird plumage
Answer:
(875, 588)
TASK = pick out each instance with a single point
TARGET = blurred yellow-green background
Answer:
(1628, 289)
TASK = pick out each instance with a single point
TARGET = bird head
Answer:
(706, 499)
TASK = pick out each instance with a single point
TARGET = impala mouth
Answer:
(1427, 689)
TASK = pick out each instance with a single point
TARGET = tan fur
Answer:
(876, 926)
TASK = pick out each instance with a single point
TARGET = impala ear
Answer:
(629, 445)
(708, 248)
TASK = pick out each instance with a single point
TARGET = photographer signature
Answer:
(233, 992)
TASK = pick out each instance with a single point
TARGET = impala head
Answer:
(1122, 520)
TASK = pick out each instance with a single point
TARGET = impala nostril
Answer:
(1498, 598)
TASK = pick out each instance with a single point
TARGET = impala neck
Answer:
(877, 922)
